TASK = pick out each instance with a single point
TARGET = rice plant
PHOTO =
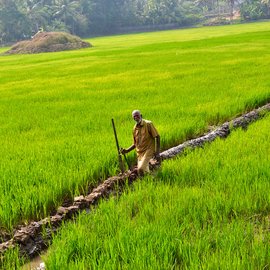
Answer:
(206, 210)
(56, 108)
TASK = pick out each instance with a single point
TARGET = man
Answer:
(146, 141)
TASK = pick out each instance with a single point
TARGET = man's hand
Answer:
(123, 151)
(126, 150)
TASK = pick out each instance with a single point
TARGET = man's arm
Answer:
(154, 133)
(157, 146)
(157, 149)
(124, 150)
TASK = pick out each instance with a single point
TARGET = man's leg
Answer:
(143, 162)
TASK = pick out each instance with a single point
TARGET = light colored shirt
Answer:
(144, 136)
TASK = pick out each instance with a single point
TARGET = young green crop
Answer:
(56, 108)
(206, 210)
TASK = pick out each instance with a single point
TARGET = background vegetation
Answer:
(56, 109)
(21, 19)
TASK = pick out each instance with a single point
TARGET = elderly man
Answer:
(146, 141)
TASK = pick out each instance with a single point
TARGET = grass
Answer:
(56, 109)
(206, 210)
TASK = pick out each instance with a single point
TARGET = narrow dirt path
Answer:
(36, 237)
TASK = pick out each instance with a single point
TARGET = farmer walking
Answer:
(146, 141)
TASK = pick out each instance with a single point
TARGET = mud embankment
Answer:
(36, 236)
(222, 131)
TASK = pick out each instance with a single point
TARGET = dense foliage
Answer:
(255, 9)
(21, 19)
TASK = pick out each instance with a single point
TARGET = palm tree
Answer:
(67, 11)
(38, 11)
(267, 3)
(13, 23)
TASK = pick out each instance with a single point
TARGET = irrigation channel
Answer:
(36, 237)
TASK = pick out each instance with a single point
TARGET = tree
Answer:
(39, 14)
(68, 12)
(267, 5)
(252, 10)
(14, 24)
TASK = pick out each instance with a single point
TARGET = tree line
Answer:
(21, 19)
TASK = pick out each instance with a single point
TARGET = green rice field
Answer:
(56, 108)
(208, 209)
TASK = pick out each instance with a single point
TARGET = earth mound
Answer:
(48, 42)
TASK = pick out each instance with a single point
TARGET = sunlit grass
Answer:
(56, 108)
(11, 260)
(206, 210)
(131, 40)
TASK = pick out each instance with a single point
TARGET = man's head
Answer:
(136, 114)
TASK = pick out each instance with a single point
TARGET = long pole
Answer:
(121, 164)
